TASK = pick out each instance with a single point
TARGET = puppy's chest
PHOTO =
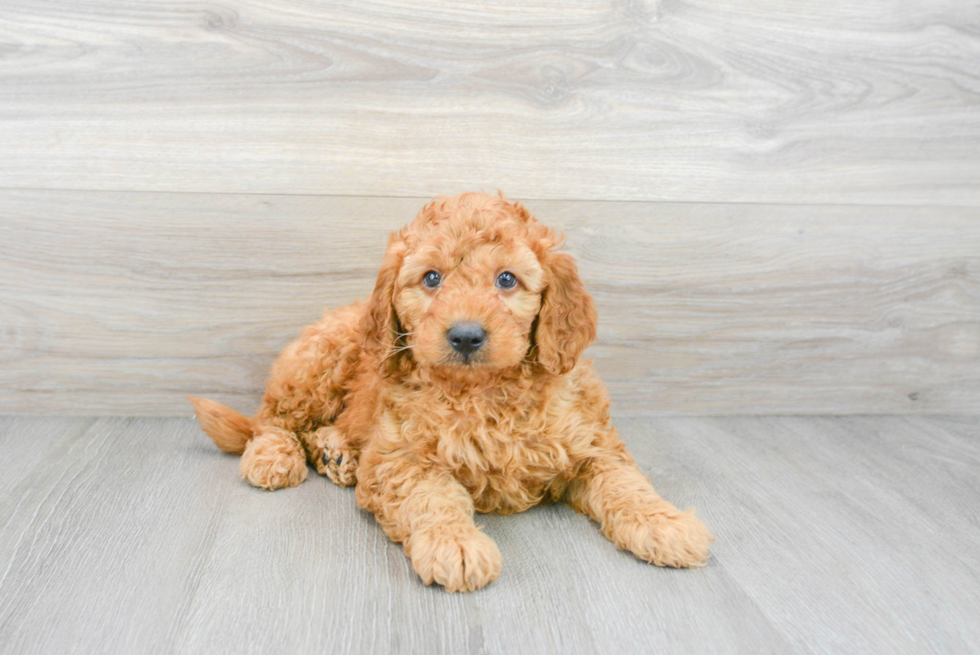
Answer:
(508, 464)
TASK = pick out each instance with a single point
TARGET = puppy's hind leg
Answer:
(332, 454)
(273, 459)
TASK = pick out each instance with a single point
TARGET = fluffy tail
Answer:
(229, 430)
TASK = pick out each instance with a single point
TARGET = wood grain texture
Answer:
(103, 542)
(124, 303)
(686, 100)
(869, 524)
(834, 535)
(284, 572)
(26, 442)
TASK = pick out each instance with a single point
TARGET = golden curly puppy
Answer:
(458, 387)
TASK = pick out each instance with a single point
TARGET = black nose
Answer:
(466, 338)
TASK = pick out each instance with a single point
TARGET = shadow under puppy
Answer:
(458, 387)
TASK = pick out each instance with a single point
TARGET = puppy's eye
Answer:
(432, 279)
(506, 280)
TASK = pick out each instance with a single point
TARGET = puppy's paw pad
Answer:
(333, 457)
(340, 465)
(461, 559)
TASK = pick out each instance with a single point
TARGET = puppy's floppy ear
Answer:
(380, 324)
(567, 321)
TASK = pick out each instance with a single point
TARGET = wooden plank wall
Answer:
(776, 205)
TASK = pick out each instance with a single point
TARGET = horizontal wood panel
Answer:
(870, 102)
(124, 303)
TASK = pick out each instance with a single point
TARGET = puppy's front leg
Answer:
(614, 492)
(431, 514)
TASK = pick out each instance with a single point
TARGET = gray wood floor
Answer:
(834, 535)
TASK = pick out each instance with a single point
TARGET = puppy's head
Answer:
(473, 284)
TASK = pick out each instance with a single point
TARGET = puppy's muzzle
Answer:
(466, 338)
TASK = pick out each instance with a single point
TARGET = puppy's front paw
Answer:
(273, 461)
(460, 558)
(671, 538)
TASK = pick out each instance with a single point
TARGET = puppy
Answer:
(458, 387)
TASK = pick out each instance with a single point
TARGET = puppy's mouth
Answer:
(465, 361)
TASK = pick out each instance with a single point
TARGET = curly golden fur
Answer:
(376, 395)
